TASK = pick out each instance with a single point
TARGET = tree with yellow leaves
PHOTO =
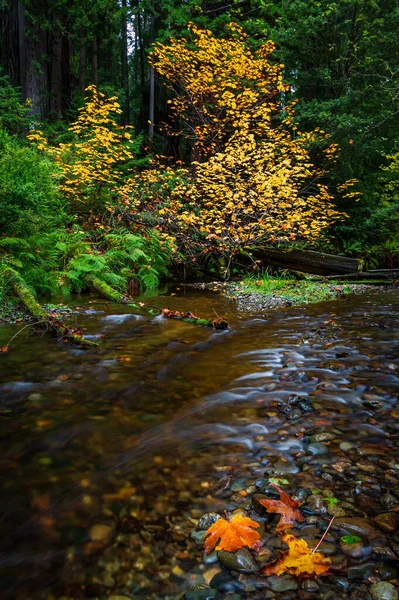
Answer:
(97, 166)
(254, 181)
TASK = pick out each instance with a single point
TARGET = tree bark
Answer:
(94, 61)
(151, 114)
(307, 261)
(56, 75)
(82, 63)
(124, 61)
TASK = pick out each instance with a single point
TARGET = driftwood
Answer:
(42, 318)
(307, 261)
(385, 275)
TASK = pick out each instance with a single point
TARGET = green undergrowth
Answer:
(297, 291)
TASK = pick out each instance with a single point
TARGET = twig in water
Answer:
(324, 535)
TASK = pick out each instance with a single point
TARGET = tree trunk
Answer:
(56, 75)
(151, 115)
(82, 63)
(94, 61)
(124, 61)
(307, 261)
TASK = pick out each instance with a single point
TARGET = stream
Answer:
(109, 456)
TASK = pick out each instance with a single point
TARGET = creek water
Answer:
(110, 455)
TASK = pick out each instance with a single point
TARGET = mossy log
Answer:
(103, 289)
(109, 293)
(43, 318)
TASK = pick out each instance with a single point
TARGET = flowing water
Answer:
(110, 455)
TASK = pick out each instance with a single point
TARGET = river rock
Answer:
(324, 436)
(101, 533)
(284, 583)
(316, 504)
(242, 561)
(388, 501)
(388, 522)
(363, 571)
(356, 550)
(207, 520)
(345, 446)
(317, 449)
(356, 526)
(200, 594)
(384, 591)
(335, 510)
(309, 585)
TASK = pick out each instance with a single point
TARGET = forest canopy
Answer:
(136, 137)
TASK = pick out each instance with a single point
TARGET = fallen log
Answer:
(385, 275)
(103, 289)
(307, 261)
(219, 323)
(41, 317)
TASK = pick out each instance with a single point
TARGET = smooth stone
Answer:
(205, 594)
(284, 583)
(309, 585)
(225, 582)
(317, 449)
(355, 526)
(346, 446)
(388, 501)
(316, 504)
(335, 510)
(322, 437)
(384, 591)
(388, 522)
(101, 533)
(242, 560)
(210, 559)
(356, 550)
(119, 598)
(35, 397)
(207, 520)
(363, 571)
(387, 571)
(238, 485)
(198, 536)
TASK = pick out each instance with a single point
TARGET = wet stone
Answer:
(225, 582)
(284, 583)
(210, 559)
(356, 550)
(242, 560)
(309, 585)
(356, 526)
(322, 437)
(384, 591)
(207, 520)
(201, 594)
(363, 571)
(388, 522)
(345, 446)
(101, 533)
(388, 501)
(317, 449)
(198, 536)
(316, 504)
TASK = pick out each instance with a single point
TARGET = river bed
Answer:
(111, 456)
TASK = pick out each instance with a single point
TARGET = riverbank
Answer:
(260, 295)
(250, 295)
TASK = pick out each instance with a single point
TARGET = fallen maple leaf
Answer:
(286, 507)
(233, 534)
(4, 349)
(299, 560)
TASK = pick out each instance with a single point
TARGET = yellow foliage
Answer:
(93, 166)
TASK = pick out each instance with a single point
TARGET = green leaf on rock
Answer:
(350, 539)
(278, 481)
(331, 501)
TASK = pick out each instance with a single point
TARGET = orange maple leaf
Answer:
(233, 534)
(299, 560)
(286, 507)
(4, 349)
